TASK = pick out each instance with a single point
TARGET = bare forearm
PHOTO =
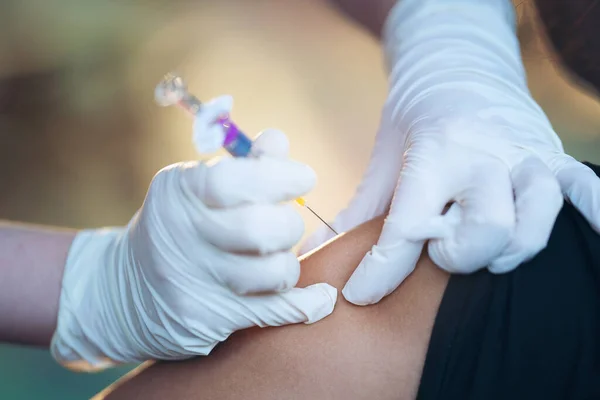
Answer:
(370, 14)
(32, 261)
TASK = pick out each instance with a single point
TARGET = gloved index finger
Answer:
(298, 305)
(394, 257)
(232, 182)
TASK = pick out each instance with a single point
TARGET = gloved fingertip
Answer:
(272, 143)
(359, 299)
(504, 265)
(358, 289)
(310, 177)
(352, 297)
(328, 298)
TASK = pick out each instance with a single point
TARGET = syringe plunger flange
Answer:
(171, 90)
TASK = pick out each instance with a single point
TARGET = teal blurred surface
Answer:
(31, 374)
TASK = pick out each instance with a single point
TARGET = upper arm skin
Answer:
(374, 352)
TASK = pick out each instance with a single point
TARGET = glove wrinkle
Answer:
(462, 121)
(207, 254)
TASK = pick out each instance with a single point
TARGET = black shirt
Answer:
(533, 333)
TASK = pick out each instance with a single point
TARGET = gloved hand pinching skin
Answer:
(459, 127)
(209, 253)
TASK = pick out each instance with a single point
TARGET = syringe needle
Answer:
(172, 90)
(322, 220)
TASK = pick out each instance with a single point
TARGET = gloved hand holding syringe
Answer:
(208, 253)
(211, 132)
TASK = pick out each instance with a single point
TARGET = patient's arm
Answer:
(374, 352)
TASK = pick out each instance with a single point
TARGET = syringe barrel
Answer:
(172, 90)
(235, 142)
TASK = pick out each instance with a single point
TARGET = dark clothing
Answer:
(530, 334)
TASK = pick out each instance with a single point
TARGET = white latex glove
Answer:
(459, 127)
(175, 281)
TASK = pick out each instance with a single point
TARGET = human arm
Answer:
(355, 353)
(32, 261)
(208, 253)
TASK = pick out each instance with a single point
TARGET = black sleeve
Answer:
(533, 333)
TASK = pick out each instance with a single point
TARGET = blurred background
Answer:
(80, 135)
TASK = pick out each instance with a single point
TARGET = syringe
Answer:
(172, 90)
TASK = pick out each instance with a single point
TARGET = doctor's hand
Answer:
(461, 128)
(209, 253)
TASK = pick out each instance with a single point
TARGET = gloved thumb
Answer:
(306, 305)
(272, 143)
(394, 256)
(581, 187)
